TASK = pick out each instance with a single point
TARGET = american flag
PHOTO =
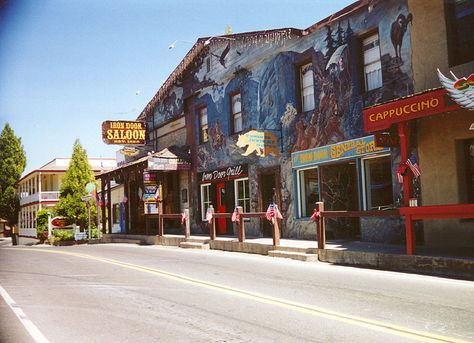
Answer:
(272, 212)
(208, 215)
(315, 215)
(183, 218)
(413, 165)
(235, 215)
(401, 171)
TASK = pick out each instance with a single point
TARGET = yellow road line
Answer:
(265, 299)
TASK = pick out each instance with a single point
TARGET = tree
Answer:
(12, 165)
(73, 188)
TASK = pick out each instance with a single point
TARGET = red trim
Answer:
(439, 211)
(381, 117)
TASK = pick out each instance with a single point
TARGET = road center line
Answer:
(283, 303)
(32, 329)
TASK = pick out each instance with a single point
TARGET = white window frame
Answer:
(372, 61)
(307, 89)
(236, 116)
(236, 192)
(299, 193)
(203, 135)
(364, 179)
(203, 203)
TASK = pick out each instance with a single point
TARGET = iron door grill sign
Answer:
(124, 132)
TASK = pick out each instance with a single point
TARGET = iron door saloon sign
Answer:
(124, 132)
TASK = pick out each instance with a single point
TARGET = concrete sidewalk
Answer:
(445, 263)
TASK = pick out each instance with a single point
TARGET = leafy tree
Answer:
(12, 165)
(73, 188)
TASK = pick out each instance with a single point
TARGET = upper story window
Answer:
(307, 87)
(203, 127)
(236, 113)
(460, 19)
(372, 63)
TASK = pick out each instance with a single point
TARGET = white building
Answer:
(40, 188)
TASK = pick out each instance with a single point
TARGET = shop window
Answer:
(308, 191)
(242, 194)
(307, 87)
(205, 199)
(372, 63)
(116, 213)
(378, 182)
(459, 19)
(236, 113)
(203, 126)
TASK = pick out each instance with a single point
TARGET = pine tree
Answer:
(73, 188)
(340, 35)
(329, 43)
(12, 165)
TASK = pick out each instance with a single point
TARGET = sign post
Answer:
(87, 199)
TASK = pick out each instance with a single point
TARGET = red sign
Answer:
(380, 117)
(59, 221)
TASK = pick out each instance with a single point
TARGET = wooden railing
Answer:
(241, 223)
(411, 214)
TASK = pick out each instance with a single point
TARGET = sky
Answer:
(68, 65)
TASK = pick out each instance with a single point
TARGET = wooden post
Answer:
(276, 232)
(240, 224)
(161, 230)
(212, 225)
(320, 226)
(187, 233)
(102, 195)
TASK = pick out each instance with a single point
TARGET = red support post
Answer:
(404, 132)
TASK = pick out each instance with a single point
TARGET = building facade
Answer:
(41, 188)
(280, 116)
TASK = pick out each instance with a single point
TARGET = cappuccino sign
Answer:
(224, 174)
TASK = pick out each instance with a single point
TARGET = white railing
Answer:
(50, 195)
(27, 232)
(44, 196)
(29, 199)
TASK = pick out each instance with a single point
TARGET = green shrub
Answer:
(63, 235)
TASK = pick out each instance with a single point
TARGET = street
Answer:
(131, 293)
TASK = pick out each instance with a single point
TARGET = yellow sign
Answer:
(124, 132)
(262, 143)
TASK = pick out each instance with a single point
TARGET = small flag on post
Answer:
(413, 165)
(235, 215)
(273, 212)
(208, 215)
(402, 171)
(315, 215)
(183, 218)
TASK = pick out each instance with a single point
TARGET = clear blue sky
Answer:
(66, 66)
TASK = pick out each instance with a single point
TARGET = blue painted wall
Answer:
(265, 73)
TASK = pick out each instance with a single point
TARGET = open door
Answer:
(221, 208)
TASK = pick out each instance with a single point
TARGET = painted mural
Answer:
(264, 73)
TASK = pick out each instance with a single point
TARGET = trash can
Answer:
(15, 237)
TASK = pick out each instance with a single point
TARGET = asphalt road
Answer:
(130, 293)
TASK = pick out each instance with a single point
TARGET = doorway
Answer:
(221, 208)
(269, 192)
